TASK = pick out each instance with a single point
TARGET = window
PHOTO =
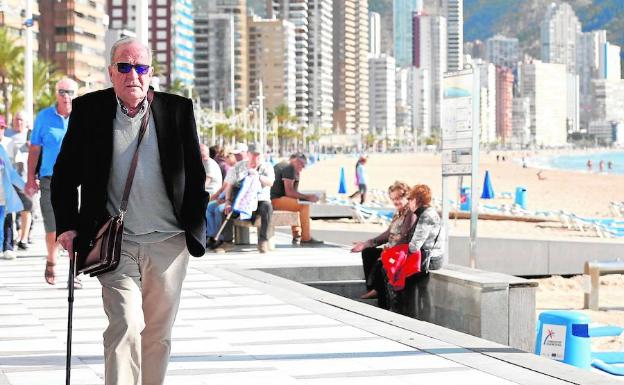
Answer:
(161, 12)
(161, 35)
(117, 12)
(161, 45)
(161, 23)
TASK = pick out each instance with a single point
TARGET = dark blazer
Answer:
(85, 161)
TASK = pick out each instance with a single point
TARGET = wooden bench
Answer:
(279, 218)
(591, 275)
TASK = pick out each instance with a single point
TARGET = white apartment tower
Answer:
(320, 65)
(350, 67)
(453, 10)
(296, 12)
(222, 69)
(545, 84)
(559, 31)
(429, 53)
(374, 25)
(382, 96)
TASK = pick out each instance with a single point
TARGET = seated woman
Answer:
(398, 232)
(427, 238)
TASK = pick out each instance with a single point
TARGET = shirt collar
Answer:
(124, 109)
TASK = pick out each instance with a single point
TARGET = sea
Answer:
(578, 162)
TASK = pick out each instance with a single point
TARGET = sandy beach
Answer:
(585, 194)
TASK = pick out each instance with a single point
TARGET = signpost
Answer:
(460, 142)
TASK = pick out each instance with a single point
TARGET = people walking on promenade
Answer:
(20, 135)
(360, 179)
(285, 196)
(164, 222)
(45, 142)
(9, 200)
(399, 231)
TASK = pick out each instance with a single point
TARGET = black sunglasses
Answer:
(141, 69)
(66, 92)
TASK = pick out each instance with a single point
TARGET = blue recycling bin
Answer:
(563, 336)
(520, 200)
(464, 199)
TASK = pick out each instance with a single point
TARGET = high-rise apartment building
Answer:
(222, 68)
(610, 64)
(429, 53)
(488, 95)
(453, 10)
(296, 11)
(382, 96)
(504, 104)
(170, 35)
(420, 94)
(559, 31)
(588, 53)
(521, 122)
(503, 51)
(272, 60)
(402, 29)
(72, 37)
(545, 84)
(320, 65)
(351, 46)
(608, 96)
(374, 26)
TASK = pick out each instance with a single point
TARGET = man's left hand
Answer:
(66, 240)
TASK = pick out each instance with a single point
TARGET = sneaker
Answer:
(296, 241)
(9, 254)
(22, 246)
(312, 242)
(263, 247)
(224, 247)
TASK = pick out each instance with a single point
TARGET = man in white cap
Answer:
(253, 166)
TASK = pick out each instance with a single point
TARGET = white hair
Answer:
(129, 40)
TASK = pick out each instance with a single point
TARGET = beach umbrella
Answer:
(342, 186)
(488, 191)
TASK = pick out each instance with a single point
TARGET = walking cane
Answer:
(70, 311)
(225, 221)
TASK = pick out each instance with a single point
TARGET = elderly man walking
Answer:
(45, 142)
(164, 222)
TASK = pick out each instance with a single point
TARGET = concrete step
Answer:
(350, 288)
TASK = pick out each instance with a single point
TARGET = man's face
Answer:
(65, 92)
(18, 122)
(130, 87)
(299, 165)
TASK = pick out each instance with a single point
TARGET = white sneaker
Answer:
(9, 254)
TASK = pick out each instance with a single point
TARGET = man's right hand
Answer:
(358, 246)
(66, 240)
(32, 186)
(312, 198)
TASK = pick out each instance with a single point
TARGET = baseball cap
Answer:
(239, 147)
(255, 147)
(2, 121)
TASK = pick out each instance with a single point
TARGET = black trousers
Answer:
(374, 274)
(8, 232)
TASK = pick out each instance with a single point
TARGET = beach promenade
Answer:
(239, 325)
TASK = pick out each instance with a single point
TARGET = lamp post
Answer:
(28, 64)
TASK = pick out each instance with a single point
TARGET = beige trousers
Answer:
(141, 299)
(292, 204)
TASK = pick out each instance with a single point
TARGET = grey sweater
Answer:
(150, 217)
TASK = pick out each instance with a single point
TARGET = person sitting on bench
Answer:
(284, 196)
(254, 165)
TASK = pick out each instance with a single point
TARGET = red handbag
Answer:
(399, 264)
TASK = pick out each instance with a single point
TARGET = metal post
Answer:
(232, 66)
(261, 115)
(28, 65)
(476, 131)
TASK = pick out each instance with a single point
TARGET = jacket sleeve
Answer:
(65, 178)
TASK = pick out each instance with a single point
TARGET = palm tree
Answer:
(10, 59)
(45, 77)
(284, 133)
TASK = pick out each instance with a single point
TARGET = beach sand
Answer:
(585, 194)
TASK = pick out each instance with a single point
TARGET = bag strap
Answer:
(135, 159)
